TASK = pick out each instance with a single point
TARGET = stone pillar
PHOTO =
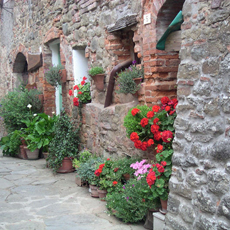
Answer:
(199, 187)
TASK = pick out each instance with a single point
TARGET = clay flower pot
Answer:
(99, 81)
(94, 191)
(32, 155)
(102, 194)
(66, 166)
(163, 209)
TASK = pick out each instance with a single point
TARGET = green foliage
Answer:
(85, 155)
(132, 123)
(14, 108)
(84, 93)
(64, 143)
(126, 81)
(86, 170)
(132, 203)
(96, 70)
(39, 131)
(53, 75)
(10, 144)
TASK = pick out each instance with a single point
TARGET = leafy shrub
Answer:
(65, 142)
(53, 75)
(14, 108)
(126, 81)
(10, 144)
(96, 70)
(133, 202)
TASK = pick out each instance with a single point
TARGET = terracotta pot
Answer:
(22, 153)
(102, 193)
(66, 166)
(94, 191)
(138, 80)
(63, 73)
(126, 176)
(163, 209)
(99, 81)
(32, 155)
(45, 154)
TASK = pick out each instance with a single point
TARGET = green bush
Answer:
(126, 81)
(14, 108)
(96, 70)
(53, 75)
(65, 142)
(10, 144)
(133, 202)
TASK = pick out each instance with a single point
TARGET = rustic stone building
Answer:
(82, 33)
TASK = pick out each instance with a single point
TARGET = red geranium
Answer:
(150, 142)
(137, 144)
(84, 78)
(150, 114)
(97, 173)
(155, 108)
(164, 163)
(83, 82)
(157, 136)
(75, 101)
(155, 120)
(144, 122)
(155, 128)
(108, 159)
(116, 169)
(164, 100)
(144, 146)
(172, 112)
(160, 168)
(114, 183)
(151, 178)
(167, 108)
(79, 92)
(135, 111)
(70, 92)
(167, 136)
(134, 136)
(159, 148)
(76, 87)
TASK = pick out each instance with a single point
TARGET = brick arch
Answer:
(166, 14)
(20, 63)
(160, 67)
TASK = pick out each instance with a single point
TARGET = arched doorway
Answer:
(20, 69)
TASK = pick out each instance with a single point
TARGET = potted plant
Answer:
(98, 75)
(55, 75)
(123, 168)
(84, 156)
(153, 127)
(64, 145)
(132, 202)
(86, 172)
(129, 80)
(37, 134)
(83, 93)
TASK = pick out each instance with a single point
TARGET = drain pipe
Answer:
(117, 68)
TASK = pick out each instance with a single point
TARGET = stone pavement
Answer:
(33, 198)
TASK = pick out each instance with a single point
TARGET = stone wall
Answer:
(199, 187)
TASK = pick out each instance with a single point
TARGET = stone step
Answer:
(158, 221)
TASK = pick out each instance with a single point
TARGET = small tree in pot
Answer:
(64, 145)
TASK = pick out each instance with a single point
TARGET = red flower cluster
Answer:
(70, 92)
(159, 148)
(75, 101)
(151, 178)
(169, 105)
(99, 171)
(135, 111)
(167, 136)
(114, 183)
(116, 169)
(134, 137)
(144, 122)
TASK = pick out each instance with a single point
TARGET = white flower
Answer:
(53, 112)
(29, 106)
(48, 117)
(35, 115)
